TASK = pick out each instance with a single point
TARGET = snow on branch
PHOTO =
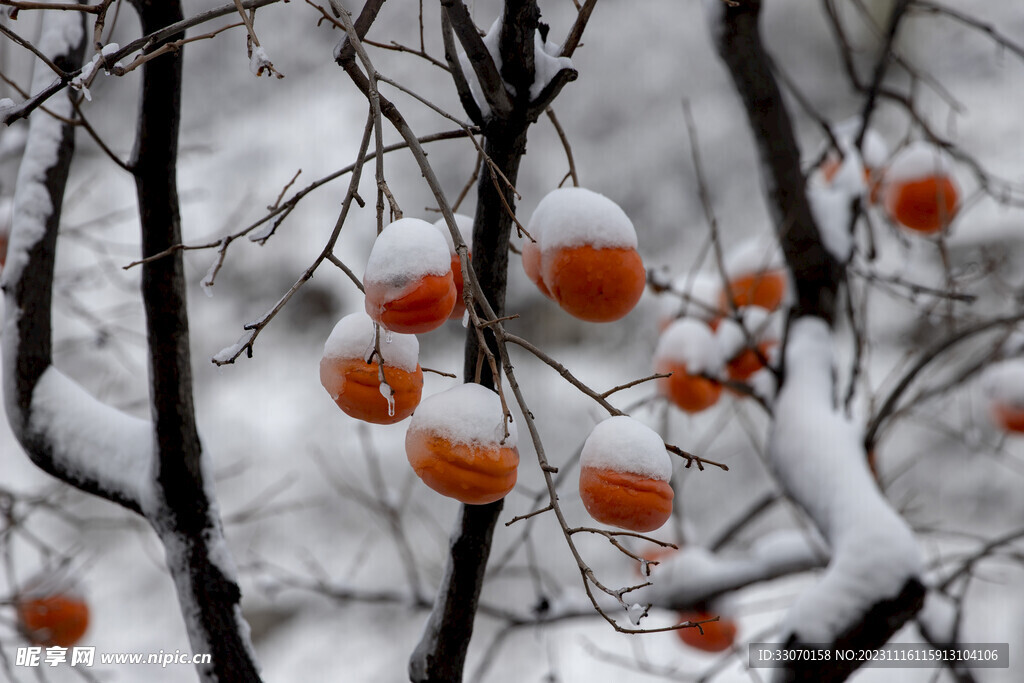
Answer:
(65, 431)
(818, 457)
(695, 574)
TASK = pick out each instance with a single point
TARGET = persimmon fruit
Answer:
(408, 280)
(688, 351)
(1008, 417)
(456, 445)
(595, 284)
(355, 385)
(766, 289)
(588, 261)
(919, 191)
(58, 620)
(717, 637)
(624, 475)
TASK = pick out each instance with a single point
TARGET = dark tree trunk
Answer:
(184, 520)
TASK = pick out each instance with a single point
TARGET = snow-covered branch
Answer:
(695, 575)
(873, 582)
(65, 431)
(818, 456)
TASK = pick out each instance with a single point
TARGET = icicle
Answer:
(387, 393)
(387, 336)
(636, 612)
(465, 318)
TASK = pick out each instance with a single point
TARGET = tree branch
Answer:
(53, 418)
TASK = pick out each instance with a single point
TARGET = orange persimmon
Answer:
(919, 191)
(766, 289)
(624, 475)
(595, 284)
(718, 635)
(355, 385)
(691, 393)
(588, 260)
(456, 443)
(408, 279)
(925, 205)
(423, 309)
(1010, 418)
(688, 350)
(472, 473)
(625, 500)
(58, 620)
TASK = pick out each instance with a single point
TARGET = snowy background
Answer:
(284, 455)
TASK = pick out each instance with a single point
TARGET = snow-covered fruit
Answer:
(1003, 384)
(624, 475)
(746, 346)
(355, 384)
(718, 635)
(56, 620)
(919, 191)
(756, 276)
(456, 443)
(688, 350)
(408, 278)
(873, 154)
(586, 253)
(465, 225)
(692, 295)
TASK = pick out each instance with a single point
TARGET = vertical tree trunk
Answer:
(185, 516)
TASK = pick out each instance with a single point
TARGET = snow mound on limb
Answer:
(575, 216)
(819, 458)
(623, 444)
(353, 338)
(468, 413)
(695, 574)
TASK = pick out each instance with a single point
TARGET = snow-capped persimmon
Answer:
(757, 277)
(624, 475)
(58, 620)
(456, 444)
(465, 225)
(588, 257)
(745, 347)
(355, 384)
(1003, 384)
(718, 635)
(874, 153)
(687, 349)
(919, 191)
(692, 295)
(408, 279)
